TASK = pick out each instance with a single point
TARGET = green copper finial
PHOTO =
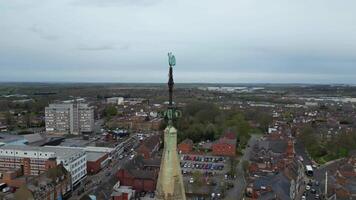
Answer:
(171, 59)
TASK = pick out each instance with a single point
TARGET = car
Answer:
(304, 197)
(313, 191)
(131, 156)
(191, 180)
(107, 174)
(317, 183)
(142, 194)
(6, 189)
(152, 195)
(307, 187)
(317, 196)
(301, 159)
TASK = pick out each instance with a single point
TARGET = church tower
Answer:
(170, 181)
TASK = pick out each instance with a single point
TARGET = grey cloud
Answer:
(95, 48)
(105, 3)
(42, 33)
(218, 41)
(103, 47)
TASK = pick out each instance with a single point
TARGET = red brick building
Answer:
(141, 175)
(96, 161)
(57, 181)
(119, 196)
(225, 146)
(186, 146)
(122, 192)
(149, 146)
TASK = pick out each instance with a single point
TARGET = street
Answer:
(240, 182)
(101, 183)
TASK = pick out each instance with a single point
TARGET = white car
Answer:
(132, 156)
(191, 180)
(307, 187)
(7, 189)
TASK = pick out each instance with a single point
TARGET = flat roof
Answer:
(6, 138)
(94, 156)
(61, 152)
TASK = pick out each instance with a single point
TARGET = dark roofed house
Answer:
(272, 187)
(225, 146)
(149, 146)
(341, 178)
(140, 174)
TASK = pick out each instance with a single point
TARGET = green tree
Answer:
(110, 111)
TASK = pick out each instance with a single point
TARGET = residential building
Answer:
(140, 174)
(149, 146)
(225, 146)
(186, 146)
(69, 118)
(53, 184)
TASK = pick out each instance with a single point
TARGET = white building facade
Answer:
(69, 118)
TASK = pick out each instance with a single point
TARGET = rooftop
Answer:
(60, 152)
(94, 156)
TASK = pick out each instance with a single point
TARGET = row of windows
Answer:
(79, 175)
(25, 153)
(79, 168)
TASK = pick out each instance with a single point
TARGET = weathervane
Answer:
(172, 113)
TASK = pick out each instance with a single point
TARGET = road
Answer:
(101, 183)
(300, 151)
(240, 183)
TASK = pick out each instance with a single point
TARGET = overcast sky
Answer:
(229, 41)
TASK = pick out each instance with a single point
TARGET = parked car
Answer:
(191, 180)
(6, 189)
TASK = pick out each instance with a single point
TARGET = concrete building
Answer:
(35, 160)
(70, 118)
(115, 100)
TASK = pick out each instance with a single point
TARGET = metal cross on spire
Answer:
(172, 113)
